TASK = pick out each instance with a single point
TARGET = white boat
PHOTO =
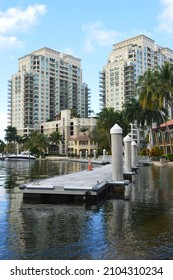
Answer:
(22, 156)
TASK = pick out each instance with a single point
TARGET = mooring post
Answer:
(137, 157)
(86, 154)
(94, 154)
(134, 154)
(104, 156)
(117, 153)
(127, 154)
(80, 154)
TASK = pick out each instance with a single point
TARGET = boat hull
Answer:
(19, 157)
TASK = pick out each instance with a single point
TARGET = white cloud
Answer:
(18, 20)
(96, 34)
(166, 16)
(10, 42)
(69, 51)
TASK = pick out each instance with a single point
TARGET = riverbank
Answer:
(166, 163)
(99, 160)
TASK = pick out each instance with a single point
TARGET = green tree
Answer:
(2, 146)
(83, 129)
(105, 122)
(164, 75)
(152, 109)
(146, 89)
(133, 113)
(99, 137)
(37, 143)
(11, 134)
(56, 138)
(10, 148)
(107, 118)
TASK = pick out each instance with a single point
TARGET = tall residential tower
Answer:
(47, 83)
(128, 60)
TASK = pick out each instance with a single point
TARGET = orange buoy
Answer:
(89, 166)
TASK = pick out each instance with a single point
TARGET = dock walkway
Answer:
(80, 184)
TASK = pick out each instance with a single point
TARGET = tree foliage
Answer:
(2, 146)
(56, 138)
(106, 119)
(37, 143)
(10, 134)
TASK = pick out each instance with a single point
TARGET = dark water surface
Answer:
(138, 228)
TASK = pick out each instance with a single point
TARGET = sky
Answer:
(86, 29)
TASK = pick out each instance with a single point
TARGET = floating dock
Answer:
(88, 186)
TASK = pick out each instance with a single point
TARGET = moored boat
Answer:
(22, 156)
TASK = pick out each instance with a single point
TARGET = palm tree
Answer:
(133, 113)
(164, 91)
(83, 129)
(10, 148)
(2, 146)
(146, 88)
(107, 118)
(37, 143)
(11, 134)
(106, 121)
(152, 108)
(99, 137)
(56, 138)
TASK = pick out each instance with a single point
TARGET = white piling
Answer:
(104, 156)
(86, 154)
(80, 154)
(94, 154)
(127, 154)
(117, 149)
(134, 154)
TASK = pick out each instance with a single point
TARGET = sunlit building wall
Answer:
(47, 82)
(129, 59)
(76, 133)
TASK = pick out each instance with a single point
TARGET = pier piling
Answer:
(117, 159)
(134, 156)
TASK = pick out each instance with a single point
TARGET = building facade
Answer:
(47, 83)
(76, 133)
(163, 137)
(128, 60)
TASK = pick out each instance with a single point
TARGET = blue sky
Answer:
(84, 28)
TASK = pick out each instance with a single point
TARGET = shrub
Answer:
(169, 157)
(155, 151)
(143, 152)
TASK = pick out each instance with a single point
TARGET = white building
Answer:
(47, 83)
(128, 60)
(76, 133)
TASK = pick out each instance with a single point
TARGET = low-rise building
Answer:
(76, 133)
(163, 136)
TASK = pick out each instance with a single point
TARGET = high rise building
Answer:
(128, 60)
(47, 83)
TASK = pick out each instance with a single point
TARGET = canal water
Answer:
(138, 228)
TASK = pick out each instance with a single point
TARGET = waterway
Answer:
(138, 228)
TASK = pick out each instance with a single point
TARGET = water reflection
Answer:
(138, 228)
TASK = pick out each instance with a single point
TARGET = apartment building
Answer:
(47, 82)
(76, 133)
(128, 60)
